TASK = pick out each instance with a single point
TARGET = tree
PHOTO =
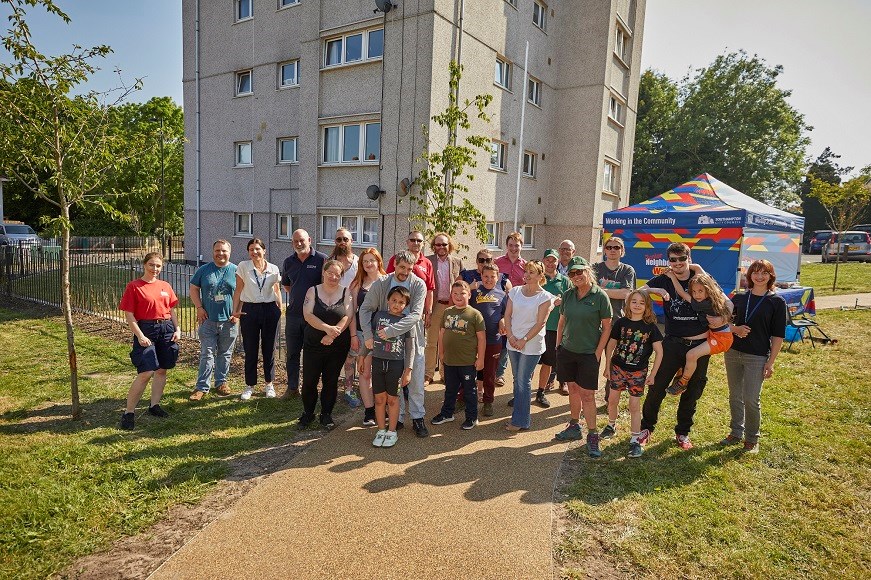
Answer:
(63, 143)
(657, 111)
(440, 205)
(824, 168)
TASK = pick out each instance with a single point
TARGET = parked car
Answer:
(18, 234)
(817, 240)
(853, 245)
(863, 228)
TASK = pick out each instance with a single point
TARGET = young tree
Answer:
(440, 205)
(657, 111)
(824, 168)
(63, 143)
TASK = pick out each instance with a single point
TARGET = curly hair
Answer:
(714, 292)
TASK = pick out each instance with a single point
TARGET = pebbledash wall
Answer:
(293, 108)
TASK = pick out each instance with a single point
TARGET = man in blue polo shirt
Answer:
(302, 270)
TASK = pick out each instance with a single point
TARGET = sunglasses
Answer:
(485, 260)
(573, 273)
(439, 245)
(613, 247)
(343, 239)
(674, 259)
(415, 240)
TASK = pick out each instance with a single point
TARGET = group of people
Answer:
(393, 328)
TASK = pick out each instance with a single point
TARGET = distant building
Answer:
(293, 108)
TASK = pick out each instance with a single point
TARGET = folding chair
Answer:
(802, 326)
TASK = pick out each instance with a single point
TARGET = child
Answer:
(707, 298)
(464, 341)
(633, 338)
(490, 300)
(391, 365)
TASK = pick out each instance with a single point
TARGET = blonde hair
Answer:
(714, 292)
(648, 316)
(538, 267)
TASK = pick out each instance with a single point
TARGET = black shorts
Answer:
(548, 357)
(386, 375)
(161, 354)
(573, 367)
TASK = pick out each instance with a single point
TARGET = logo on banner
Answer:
(705, 220)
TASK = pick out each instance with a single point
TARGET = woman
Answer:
(759, 327)
(257, 306)
(582, 334)
(149, 307)
(525, 318)
(473, 277)
(326, 341)
(371, 269)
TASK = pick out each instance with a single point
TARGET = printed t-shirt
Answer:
(621, 278)
(491, 304)
(524, 315)
(583, 326)
(391, 348)
(216, 289)
(148, 300)
(472, 276)
(766, 317)
(635, 340)
(300, 276)
(460, 338)
(680, 318)
(556, 286)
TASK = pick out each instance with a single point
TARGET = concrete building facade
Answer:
(293, 108)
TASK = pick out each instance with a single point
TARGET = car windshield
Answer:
(823, 235)
(852, 238)
(14, 229)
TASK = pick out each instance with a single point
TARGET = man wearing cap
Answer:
(556, 284)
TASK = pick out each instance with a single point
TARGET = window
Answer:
(533, 91)
(243, 224)
(283, 3)
(243, 83)
(243, 154)
(610, 177)
(497, 155)
(539, 14)
(346, 143)
(529, 162)
(287, 150)
(492, 234)
(615, 109)
(620, 44)
(512, 2)
(244, 9)
(528, 233)
(288, 74)
(503, 73)
(364, 229)
(357, 47)
(285, 225)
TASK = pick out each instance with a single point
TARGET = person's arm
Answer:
(560, 327)
(349, 316)
(482, 348)
(285, 276)
(276, 289)
(237, 299)
(651, 376)
(134, 328)
(661, 292)
(441, 351)
(176, 335)
(685, 296)
(355, 342)
(509, 312)
(609, 353)
(370, 305)
(776, 345)
(197, 301)
(603, 340)
(427, 308)
(543, 311)
(308, 308)
(415, 312)
(696, 268)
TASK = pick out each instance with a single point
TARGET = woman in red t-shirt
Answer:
(149, 307)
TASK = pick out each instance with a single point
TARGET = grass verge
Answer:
(800, 508)
(853, 278)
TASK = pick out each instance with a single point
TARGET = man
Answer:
(301, 270)
(684, 329)
(616, 279)
(447, 269)
(514, 267)
(566, 253)
(211, 291)
(556, 284)
(376, 299)
(423, 269)
(344, 254)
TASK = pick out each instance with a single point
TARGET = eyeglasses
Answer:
(485, 260)
(674, 259)
(613, 247)
(415, 241)
(573, 273)
(342, 239)
(439, 245)
(565, 249)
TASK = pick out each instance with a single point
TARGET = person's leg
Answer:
(692, 360)
(330, 381)
(269, 332)
(451, 378)
(503, 360)
(293, 330)
(672, 360)
(416, 391)
(350, 371)
(735, 378)
(380, 415)
(157, 386)
(543, 376)
(686, 407)
(136, 390)
(313, 364)
(635, 414)
(613, 406)
(753, 377)
(227, 333)
(378, 374)
(432, 338)
(392, 412)
(470, 391)
(208, 332)
(491, 360)
(588, 404)
(364, 377)
(523, 366)
(249, 324)
(575, 401)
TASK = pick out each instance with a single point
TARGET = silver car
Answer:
(851, 245)
(18, 234)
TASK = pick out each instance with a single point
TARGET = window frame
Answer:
(238, 76)
(364, 48)
(505, 67)
(357, 232)
(543, 12)
(237, 231)
(610, 178)
(363, 127)
(237, 157)
(237, 10)
(503, 165)
(528, 241)
(281, 65)
(533, 82)
(618, 114)
(621, 38)
(279, 152)
(287, 3)
(533, 157)
(494, 230)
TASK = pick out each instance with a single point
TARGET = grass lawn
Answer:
(800, 508)
(853, 277)
(68, 488)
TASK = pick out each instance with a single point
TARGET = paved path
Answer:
(844, 300)
(459, 504)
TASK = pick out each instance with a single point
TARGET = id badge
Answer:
(219, 297)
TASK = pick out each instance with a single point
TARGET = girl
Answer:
(633, 338)
(707, 298)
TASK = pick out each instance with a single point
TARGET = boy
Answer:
(490, 300)
(463, 339)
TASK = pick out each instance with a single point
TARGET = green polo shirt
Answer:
(556, 286)
(583, 326)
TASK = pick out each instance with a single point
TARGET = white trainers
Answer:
(246, 394)
(390, 439)
(270, 391)
(379, 438)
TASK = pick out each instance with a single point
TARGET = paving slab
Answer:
(843, 301)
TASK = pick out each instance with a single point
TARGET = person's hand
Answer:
(333, 331)
(768, 370)
(501, 330)
(355, 343)
(599, 352)
(649, 380)
(427, 319)
(406, 377)
(475, 285)
(202, 315)
(382, 334)
(144, 340)
(327, 340)
(479, 364)
(557, 301)
(741, 331)
(370, 343)
(606, 372)
(176, 336)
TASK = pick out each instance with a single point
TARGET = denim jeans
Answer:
(744, 375)
(216, 349)
(456, 378)
(522, 366)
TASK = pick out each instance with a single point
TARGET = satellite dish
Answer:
(404, 186)
(373, 192)
(384, 5)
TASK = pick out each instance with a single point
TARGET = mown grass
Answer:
(853, 278)
(798, 509)
(68, 488)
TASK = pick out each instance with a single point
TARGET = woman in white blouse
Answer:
(257, 305)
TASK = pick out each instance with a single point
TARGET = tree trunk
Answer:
(68, 313)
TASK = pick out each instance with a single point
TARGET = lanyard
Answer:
(748, 314)
(260, 284)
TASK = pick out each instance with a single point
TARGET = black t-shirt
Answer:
(681, 319)
(635, 340)
(301, 276)
(766, 317)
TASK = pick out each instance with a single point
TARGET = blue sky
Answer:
(824, 47)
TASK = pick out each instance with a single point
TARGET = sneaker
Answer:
(593, 445)
(487, 409)
(327, 422)
(730, 440)
(197, 395)
(352, 399)
(369, 417)
(675, 388)
(290, 393)
(608, 432)
(572, 432)
(500, 381)
(270, 391)
(469, 424)
(427, 380)
(127, 421)
(541, 400)
(683, 441)
(563, 389)
(390, 439)
(399, 425)
(305, 421)
(439, 419)
(752, 448)
(379, 438)
(157, 411)
(246, 394)
(419, 428)
(635, 449)
(511, 402)
(223, 389)
(644, 437)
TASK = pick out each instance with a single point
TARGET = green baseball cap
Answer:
(551, 253)
(578, 263)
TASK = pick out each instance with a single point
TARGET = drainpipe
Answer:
(198, 135)
(522, 118)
